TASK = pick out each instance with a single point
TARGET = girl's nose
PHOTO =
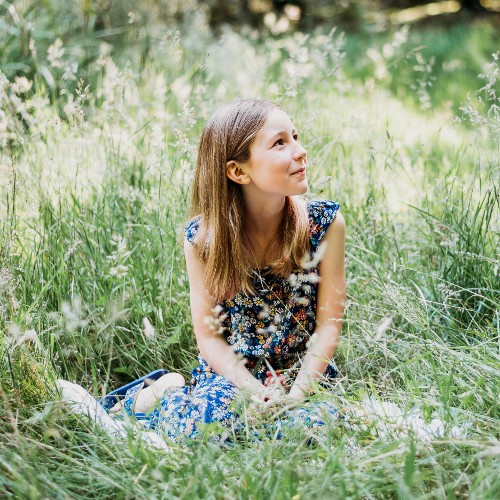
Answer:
(300, 153)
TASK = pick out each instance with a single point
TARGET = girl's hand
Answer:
(267, 399)
(277, 380)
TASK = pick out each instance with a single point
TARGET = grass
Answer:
(94, 178)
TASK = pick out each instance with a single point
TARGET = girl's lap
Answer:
(184, 412)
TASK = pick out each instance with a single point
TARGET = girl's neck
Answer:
(262, 221)
(263, 217)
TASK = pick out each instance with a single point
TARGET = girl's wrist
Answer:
(252, 385)
(298, 393)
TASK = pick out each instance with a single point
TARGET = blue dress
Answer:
(271, 327)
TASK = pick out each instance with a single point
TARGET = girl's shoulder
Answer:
(191, 228)
(321, 214)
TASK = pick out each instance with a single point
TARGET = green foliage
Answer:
(94, 188)
(463, 242)
(50, 41)
(32, 382)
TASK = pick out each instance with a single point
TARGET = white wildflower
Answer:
(4, 83)
(21, 85)
(55, 53)
(400, 37)
(14, 332)
(220, 93)
(382, 328)
(387, 50)
(181, 87)
(312, 278)
(28, 335)
(189, 113)
(149, 331)
(4, 122)
(70, 70)
(491, 451)
(118, 257)
(119, 271)
(8, 285)
(72, 313)
(72, 249)
(303, 301)
(311, 263)
(131, 193)
(177, 39)
(159, 87)
(70, 108)
(101, 61)
(264, 312)
(134, 17)
(215, 322)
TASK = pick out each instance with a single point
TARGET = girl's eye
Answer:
(279, 142)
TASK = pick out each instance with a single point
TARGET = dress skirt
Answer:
(183, 412)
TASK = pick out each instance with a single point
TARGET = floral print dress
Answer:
(271, 328)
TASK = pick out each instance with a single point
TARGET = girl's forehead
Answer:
(277, 121)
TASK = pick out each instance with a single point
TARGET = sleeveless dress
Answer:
(270, 328)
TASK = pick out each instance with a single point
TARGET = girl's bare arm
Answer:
(330, 310)
(212, 345)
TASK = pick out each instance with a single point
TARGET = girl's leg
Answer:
(149, 395)
(183, 412)
(82, 402)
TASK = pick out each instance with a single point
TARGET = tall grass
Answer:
(93, 195)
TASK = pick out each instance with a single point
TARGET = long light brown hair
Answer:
(222, 240)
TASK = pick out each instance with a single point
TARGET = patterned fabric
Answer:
(131, 397)
(272, 327)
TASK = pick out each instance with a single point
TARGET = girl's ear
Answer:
(236, 173)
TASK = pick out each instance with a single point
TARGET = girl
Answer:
(267, 314)
(257, 293)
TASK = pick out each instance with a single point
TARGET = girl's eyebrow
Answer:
(281, 132)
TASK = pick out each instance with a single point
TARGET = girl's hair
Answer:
(222, 240)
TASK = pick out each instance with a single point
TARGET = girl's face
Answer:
(277, 164)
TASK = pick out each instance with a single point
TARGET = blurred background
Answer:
(443, 38)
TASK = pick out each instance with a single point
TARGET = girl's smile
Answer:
(300, 172)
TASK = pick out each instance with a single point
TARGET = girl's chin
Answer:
(304, 187)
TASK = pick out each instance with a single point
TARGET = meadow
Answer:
(97, 150)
